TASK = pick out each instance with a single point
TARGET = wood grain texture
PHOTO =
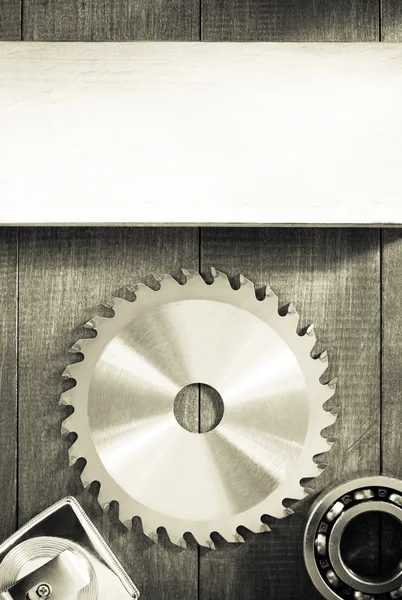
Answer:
(391, 353)
(333, 278)
(294, 20)
(10, 20)
(65, 273)
(391, 21)
(260, 133)
(8, 379)
(110, 20)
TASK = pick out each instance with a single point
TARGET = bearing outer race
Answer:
(320, 507)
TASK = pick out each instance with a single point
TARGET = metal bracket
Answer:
(57, 554)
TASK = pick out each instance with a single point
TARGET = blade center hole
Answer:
(198, 408)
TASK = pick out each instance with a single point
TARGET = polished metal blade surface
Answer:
(134, 370)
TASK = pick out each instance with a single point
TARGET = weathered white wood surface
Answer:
(149, 132)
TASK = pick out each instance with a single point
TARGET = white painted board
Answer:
(177, 133)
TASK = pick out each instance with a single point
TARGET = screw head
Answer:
(44, 590)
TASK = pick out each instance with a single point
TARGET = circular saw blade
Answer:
(142, 358)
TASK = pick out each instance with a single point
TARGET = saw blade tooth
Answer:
(253, 524)
(326, 392)
(106, 304)
(139, 287)
(328, 419)
(294, 490)
(76, 449)
(66, 374)
(94, 323)
(166, 279)
(68, 424)
(118, 303)
(254, 527)
(269, 292)
(67, 398)
(192, 274)
(64, 400)
(102, 496)
(157, 276)
(106, 507)
(128, 524)
(323, 356)
(85, 478)
(233, 537)
(182, 543)
(153, 536)
(77, 347)
(209, 544)
(74, 453)
(321, 363)
(147, 525)
(71, 371)
(202, 537)
(219, 276)
(310, 331)
(168, 283)
(72, 459)
(246, 284)
(176, 534)
(125, 516)
(287, 511)
(308, 490)
(332, 384)
(322, 447)
(230, 534)
(264, 528)
(310, 470)
(64, 432)
(309, 338)
(141, 291)
(293, 315)
(271, 299)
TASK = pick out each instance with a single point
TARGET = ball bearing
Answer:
(329, 517)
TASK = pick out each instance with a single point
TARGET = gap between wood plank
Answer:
(381, 244)
(21, 31)
(17, 355)
(380, 20)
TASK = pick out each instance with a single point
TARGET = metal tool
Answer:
(60, 555)
(146, 354)
(330, 514)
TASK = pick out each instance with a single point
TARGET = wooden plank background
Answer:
(10, 20)
(64, 275)
(323, 272)
(8, 378)
(347, 281)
